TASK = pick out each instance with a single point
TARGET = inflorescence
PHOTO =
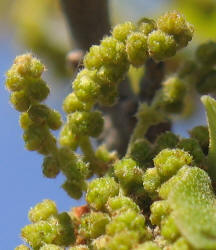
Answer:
(159, 195)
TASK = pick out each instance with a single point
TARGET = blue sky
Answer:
(21, 182)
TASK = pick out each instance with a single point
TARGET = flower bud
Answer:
(50, 167)
(20, 100)
(159, 210)
(25, 121)
(118, 204)
(141, 152)
(148, 245)
(121, 31)
(72, 104)
(161, 45)
(175, 24)
(42, 211)
(67, 138)
(151, 181)
(169, 161)
(93, 224)
(38, 90)
(137, 49)
(192, 146)
(86, 123)
(166, 140)
(99, 191)
(146, 25)
(206, 53)
(128, 173)
(86, 86)
(201, 134)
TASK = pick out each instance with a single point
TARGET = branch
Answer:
(88, 21)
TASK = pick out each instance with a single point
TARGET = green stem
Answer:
(89, 153)
(210, 106)
(147, 116)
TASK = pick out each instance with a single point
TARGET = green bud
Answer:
(99, 191)
(51, 247)
(100, 243)
(73, 188)
(128, 220)
(34, 136)
(169, 229)
(72, 104)
(128, 173)
(187, 68)
(50, 167)
(181, 244)
(54, 120)
(173, 90)
(22, 247)
(207, 84)
(118, 204)
(79, 247)
(42, 211)
(159, 210)
(112, 51)
(193, 148)
(93, 224)
(166, 140)
(206, 53)
(25, 121)
(20, 100)
(112, 74)
(38, 113)
(137, 49)
(169, 161)
(148, 245)
(123, 240)
(146, 25)
(175, 24)
(104, 155)
(86, 86)
(67, 138)
(27, 65)
(48, 145)
(201, 134)
(151, 181)
(38, 90)
(121, 31)
(92, 59)
(14, 81)
(141, 152)
(86, 123)
(108, 95)
(161, 45)
(56, 230)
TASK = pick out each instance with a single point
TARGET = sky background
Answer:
(21, 182)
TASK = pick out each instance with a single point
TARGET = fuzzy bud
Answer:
(169, 161)
(86, 123)
(137, 49)
(93, 224)
(121, 31)
(42, 211)
(99, 191)
(161, 45)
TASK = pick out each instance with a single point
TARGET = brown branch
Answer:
(88, 21)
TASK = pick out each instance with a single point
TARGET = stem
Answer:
(98, 166)
(147, 116)
(88, 21)
(210, 106)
